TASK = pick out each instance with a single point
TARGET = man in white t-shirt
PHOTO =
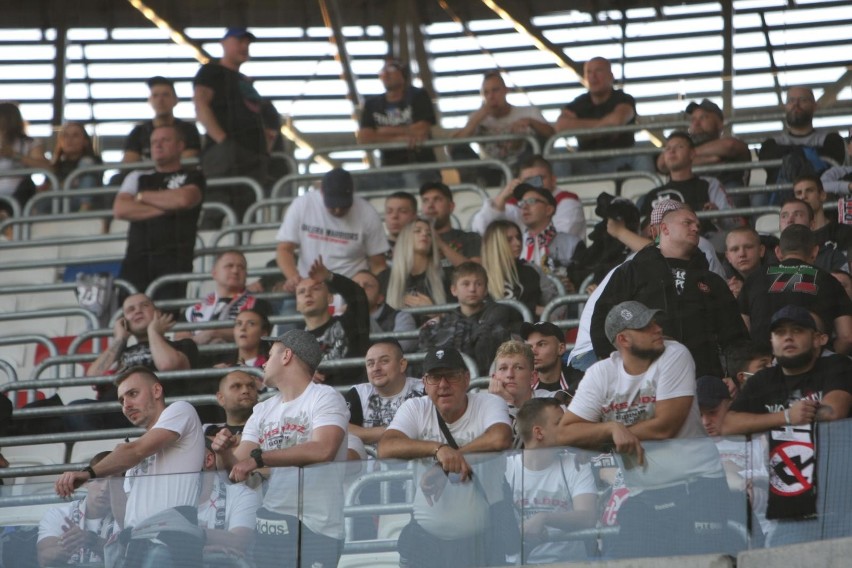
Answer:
(346, 230)
(641, 402)
(454, 489)
(372, 405)
(304, 424)
(553, 491)
(226, 511)
(513, 376)
(498, 116)
(162, 466)
(75, 533)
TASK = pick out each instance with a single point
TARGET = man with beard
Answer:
(237, 395)
(786, 400)
(645, 391)
(700, 310)
(799, 132)
(383, 317)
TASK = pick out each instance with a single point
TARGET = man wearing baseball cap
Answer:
(333, 223)
(638, 397)
(454, 489)
(304, 424)
(712, 146)
(786, 401)
(699, 309)
(229, 107)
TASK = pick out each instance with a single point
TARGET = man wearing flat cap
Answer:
(229, 107)
(632, 401)
(333, 223)
(454, 488)
(787, 401)
(304, 424)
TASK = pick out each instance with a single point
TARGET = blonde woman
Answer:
(416, 277)
(509, 277)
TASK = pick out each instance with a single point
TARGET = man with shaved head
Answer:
(237, 395)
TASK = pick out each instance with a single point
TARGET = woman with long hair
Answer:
(509, 277)
(17, 151)
(74, 149)
(416, 277)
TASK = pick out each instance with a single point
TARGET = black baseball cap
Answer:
(710, 391)
(793, 314)
(240, 33)
(447, 358)
(337, 189)
(436, 186)
(705, 104)
(544, 328)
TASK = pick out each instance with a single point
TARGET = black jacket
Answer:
(704, 317)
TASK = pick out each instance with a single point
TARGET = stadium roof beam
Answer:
(829, 95)
(175, 34)
(59, 76)
(511, 12)
(331, 15)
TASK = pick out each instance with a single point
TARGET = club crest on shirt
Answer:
(176, 181)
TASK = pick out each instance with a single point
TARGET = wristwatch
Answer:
(88, 469)
(257, 455)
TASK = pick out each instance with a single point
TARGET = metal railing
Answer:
(277, 188)
(28, 338)
(656, 179)
(121, 166)
(196, 277)
(27, 172)
(9, 369)
(431, 143)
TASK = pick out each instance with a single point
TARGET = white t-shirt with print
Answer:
(379, 410)
(276, 424)
(545, 491)
(461, 510)
(238, 501)
(57, 517)
(344, 242)
(170, 477)
(608, 393)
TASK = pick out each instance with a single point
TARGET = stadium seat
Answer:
(370, 560)
(82, 452)
(767, 224)
(66, 228)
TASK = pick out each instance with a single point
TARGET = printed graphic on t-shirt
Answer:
(139, 354)
(679, 275)
(801, 279)
(394, 115)
(380, 411)
(175, 181)
(333, 342)
(542, 501)
(329, 235)
(286, 432)
(630, 412)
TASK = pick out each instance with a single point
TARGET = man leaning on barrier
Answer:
(161, 467)
(304, 424)
(452, 524)
(640, 401)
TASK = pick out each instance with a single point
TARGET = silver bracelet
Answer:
(787, 416)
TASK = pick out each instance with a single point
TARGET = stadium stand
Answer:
(77, 68)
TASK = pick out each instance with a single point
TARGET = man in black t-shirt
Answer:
(786, 400)
(700, 193)
(403, 113)
(163, 99)
(798, 282)
(229, 107)
(339, 336)
(162, 206)
(602, 105)
(829, 233)
(457, 246)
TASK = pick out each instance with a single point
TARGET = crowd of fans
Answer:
(695, 328)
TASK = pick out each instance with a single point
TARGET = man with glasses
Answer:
(534, 170)
(549, 251)
(454, 489)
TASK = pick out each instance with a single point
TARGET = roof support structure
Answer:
(60, 62)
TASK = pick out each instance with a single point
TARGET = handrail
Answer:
(238, 180)
(65, 196)
(60, 241)
(734, 166)
(291, 161)
(51, 312)
(244, 227)
(612, 176)
(418, 167)
(431, 143)
(9, 369)
(195, 276)
(26, 172)
(676, 120)
(440, 308)
(561, 301)
(44, 340)
(16, 212)
(122, 166)
(366, 194)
